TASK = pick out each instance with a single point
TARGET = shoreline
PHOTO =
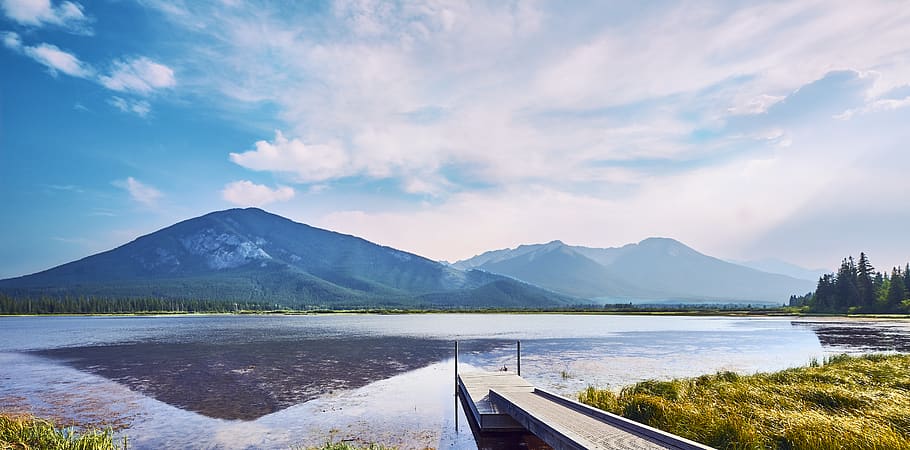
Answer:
(581, 312)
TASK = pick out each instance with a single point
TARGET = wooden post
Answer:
(519, 358)
(456, 386)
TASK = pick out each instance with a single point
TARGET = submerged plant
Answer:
(842, 402)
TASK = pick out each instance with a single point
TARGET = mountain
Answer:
(653, 269)
(254, 256)
(772, 265)
(555, 266)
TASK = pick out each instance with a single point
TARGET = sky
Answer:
(745, 129)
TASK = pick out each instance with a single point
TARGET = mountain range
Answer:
(655, 269)
(250, 255)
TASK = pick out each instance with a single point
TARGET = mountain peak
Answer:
(241, 211)
(655, 240)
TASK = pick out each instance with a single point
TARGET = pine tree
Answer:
(846, 293)
(897, 291)
(823, 300)
(864, 285)
(907, 277)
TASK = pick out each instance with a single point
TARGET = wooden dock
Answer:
(497, 402)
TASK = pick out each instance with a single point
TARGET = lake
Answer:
(237, 382)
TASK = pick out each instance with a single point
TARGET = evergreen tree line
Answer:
(858, 287)
(93, 305)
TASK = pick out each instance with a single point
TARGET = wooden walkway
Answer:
(503, 402)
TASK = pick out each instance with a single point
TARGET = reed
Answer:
(838, 403)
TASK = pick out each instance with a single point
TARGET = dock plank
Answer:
(475, 387)
(571, 428)
(479, 384)
(502, 401)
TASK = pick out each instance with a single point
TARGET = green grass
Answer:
(26, 432)
(347, 446)
(842, 402)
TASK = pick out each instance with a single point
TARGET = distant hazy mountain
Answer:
(252, 255)
(771, 265)
(655, 268)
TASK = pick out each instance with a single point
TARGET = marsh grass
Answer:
(349, 446)
(341, 445)
(27, 432)
(841, 402)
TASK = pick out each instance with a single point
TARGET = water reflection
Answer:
(860, 336)
(247, 380)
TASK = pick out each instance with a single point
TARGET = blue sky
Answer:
(747, 130)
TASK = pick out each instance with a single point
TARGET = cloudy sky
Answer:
(747, 130)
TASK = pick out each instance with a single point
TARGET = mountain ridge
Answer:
(243, 254)
(655, 268)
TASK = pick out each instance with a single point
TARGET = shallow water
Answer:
(279, 381)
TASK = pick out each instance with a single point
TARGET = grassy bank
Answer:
(26, 432)
(843, 402)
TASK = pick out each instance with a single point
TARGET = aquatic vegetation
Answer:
(26, 432)
(841, 402)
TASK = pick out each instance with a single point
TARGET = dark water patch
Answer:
(248, 380)
(860, 336)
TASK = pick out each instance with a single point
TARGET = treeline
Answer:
(91, 305)
(858, 287)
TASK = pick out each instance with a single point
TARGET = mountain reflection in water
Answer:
(247, 380)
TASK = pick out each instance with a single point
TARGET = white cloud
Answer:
(139, 107)
(138, 75)
(12, 40)
(755, 105)
(140, 192)
(57, 60)
(308, 163)
(69, 15)
(52, 57)
(886, 104)
(496, 74)
(247, 193)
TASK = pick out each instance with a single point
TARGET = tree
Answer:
(897, 291)
(823, 300)
(864, 285)
(846, 293)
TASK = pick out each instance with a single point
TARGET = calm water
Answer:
(279, 381)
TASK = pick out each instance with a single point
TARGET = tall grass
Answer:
(349, 446)
(26, 432)
(842, 402)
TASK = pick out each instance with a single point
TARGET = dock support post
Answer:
(456, 386)
(519, 358)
